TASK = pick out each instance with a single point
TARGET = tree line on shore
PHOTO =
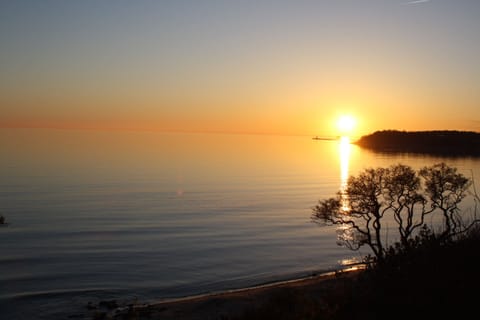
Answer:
(440, 142)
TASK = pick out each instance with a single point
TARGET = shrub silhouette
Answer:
(399, 192)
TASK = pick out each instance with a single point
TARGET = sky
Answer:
(263, 66)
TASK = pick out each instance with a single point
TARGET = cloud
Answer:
(416, 2)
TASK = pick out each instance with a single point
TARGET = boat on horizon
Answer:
(323, 138)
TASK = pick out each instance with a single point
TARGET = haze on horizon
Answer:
(286, 67)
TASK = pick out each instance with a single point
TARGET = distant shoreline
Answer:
(440, 143)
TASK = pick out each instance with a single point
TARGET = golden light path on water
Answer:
(344, 232)
(344, 156)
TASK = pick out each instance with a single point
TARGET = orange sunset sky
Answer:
(272, 67)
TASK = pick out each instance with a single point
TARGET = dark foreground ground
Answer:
(285, 300)
(433, 282)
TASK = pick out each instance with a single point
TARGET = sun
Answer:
(346, 124)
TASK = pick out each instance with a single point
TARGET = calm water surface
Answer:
(101, 215)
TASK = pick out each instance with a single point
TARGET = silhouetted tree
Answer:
(361, 219)
(445, 189)
(397, 191)
(402, 192)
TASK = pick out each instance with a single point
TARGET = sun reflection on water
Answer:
(344, 232)
(344, 155)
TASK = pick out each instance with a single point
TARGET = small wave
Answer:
(56, 304)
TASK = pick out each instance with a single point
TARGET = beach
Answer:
(243, 303)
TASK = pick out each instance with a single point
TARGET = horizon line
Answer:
(148, 129)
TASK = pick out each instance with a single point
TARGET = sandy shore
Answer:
(236, 304)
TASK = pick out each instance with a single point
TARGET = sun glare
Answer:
(346, 124)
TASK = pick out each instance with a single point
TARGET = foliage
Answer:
(446, 189)
(433, 279)
(399, 192)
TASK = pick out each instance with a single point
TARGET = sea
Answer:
(130, 217)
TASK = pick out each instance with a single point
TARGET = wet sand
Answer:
(236, 304)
